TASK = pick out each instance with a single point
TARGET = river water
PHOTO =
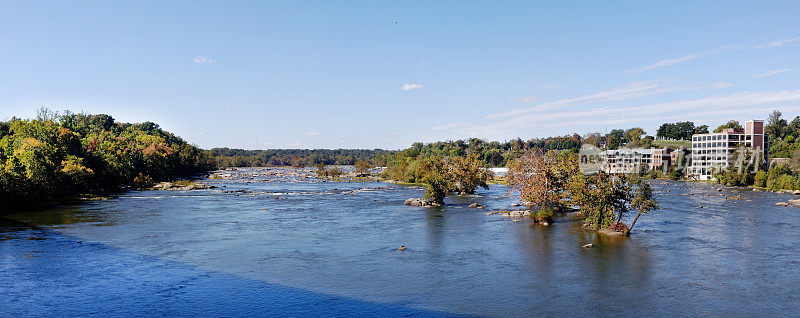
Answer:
(287, 246)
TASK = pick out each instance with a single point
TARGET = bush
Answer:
(142, 182)
(760, 179)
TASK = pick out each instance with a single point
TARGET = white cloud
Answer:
(410, 86)
(721, 50)
(775, 72)
(626, 91)
(203, 60)
(526, 99)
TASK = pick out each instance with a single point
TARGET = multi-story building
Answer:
(626, 160)
(714, 151)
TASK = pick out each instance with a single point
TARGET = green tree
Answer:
(435, 175)
(730, 124)
(468, 173)
(362, 167)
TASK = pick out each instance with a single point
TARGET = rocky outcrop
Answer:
(181, 185)
(420, 202)
(477, 206)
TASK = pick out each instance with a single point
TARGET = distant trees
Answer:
(226, 157)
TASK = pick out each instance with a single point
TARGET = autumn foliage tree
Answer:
(552, 181)
(541, 177)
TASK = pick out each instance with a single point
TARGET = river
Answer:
(262, 244)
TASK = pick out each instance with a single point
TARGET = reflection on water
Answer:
(730, 257)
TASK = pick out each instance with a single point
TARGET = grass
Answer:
(673, 143)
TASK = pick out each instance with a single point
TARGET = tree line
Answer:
(227, 157)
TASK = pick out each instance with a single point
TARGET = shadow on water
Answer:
(77, 279)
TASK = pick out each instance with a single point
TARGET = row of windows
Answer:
(711, 137)
(721, 137)
(712, 151)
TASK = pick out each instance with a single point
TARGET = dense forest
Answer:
(57, 156)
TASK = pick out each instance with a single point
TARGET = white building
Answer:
(715, 150)
(626, 160)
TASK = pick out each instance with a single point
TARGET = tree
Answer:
(468, 173)
(730, 124)
(701, 129)
(643, 201)
(776, 126)
(604, 199)
(634, 135)
(681, 130)
(542, 178)
(615, 138)
(362, 167)
(434, 172)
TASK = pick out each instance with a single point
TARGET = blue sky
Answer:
(372, 74)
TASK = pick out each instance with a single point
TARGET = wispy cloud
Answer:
(776, 43)
(721, 50)
(410, 86)
(526, 99)
(448, 127)
(776, 72)
(552, 86)
(732, 105)
(203, 60)
(627, 91)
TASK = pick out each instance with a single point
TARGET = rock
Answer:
(794, 202)
(782, 204)
(588, 245)
(516, 214)
(402, 248)
(420, 202)
(516, 204)
(545, 223)
(477, 206)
